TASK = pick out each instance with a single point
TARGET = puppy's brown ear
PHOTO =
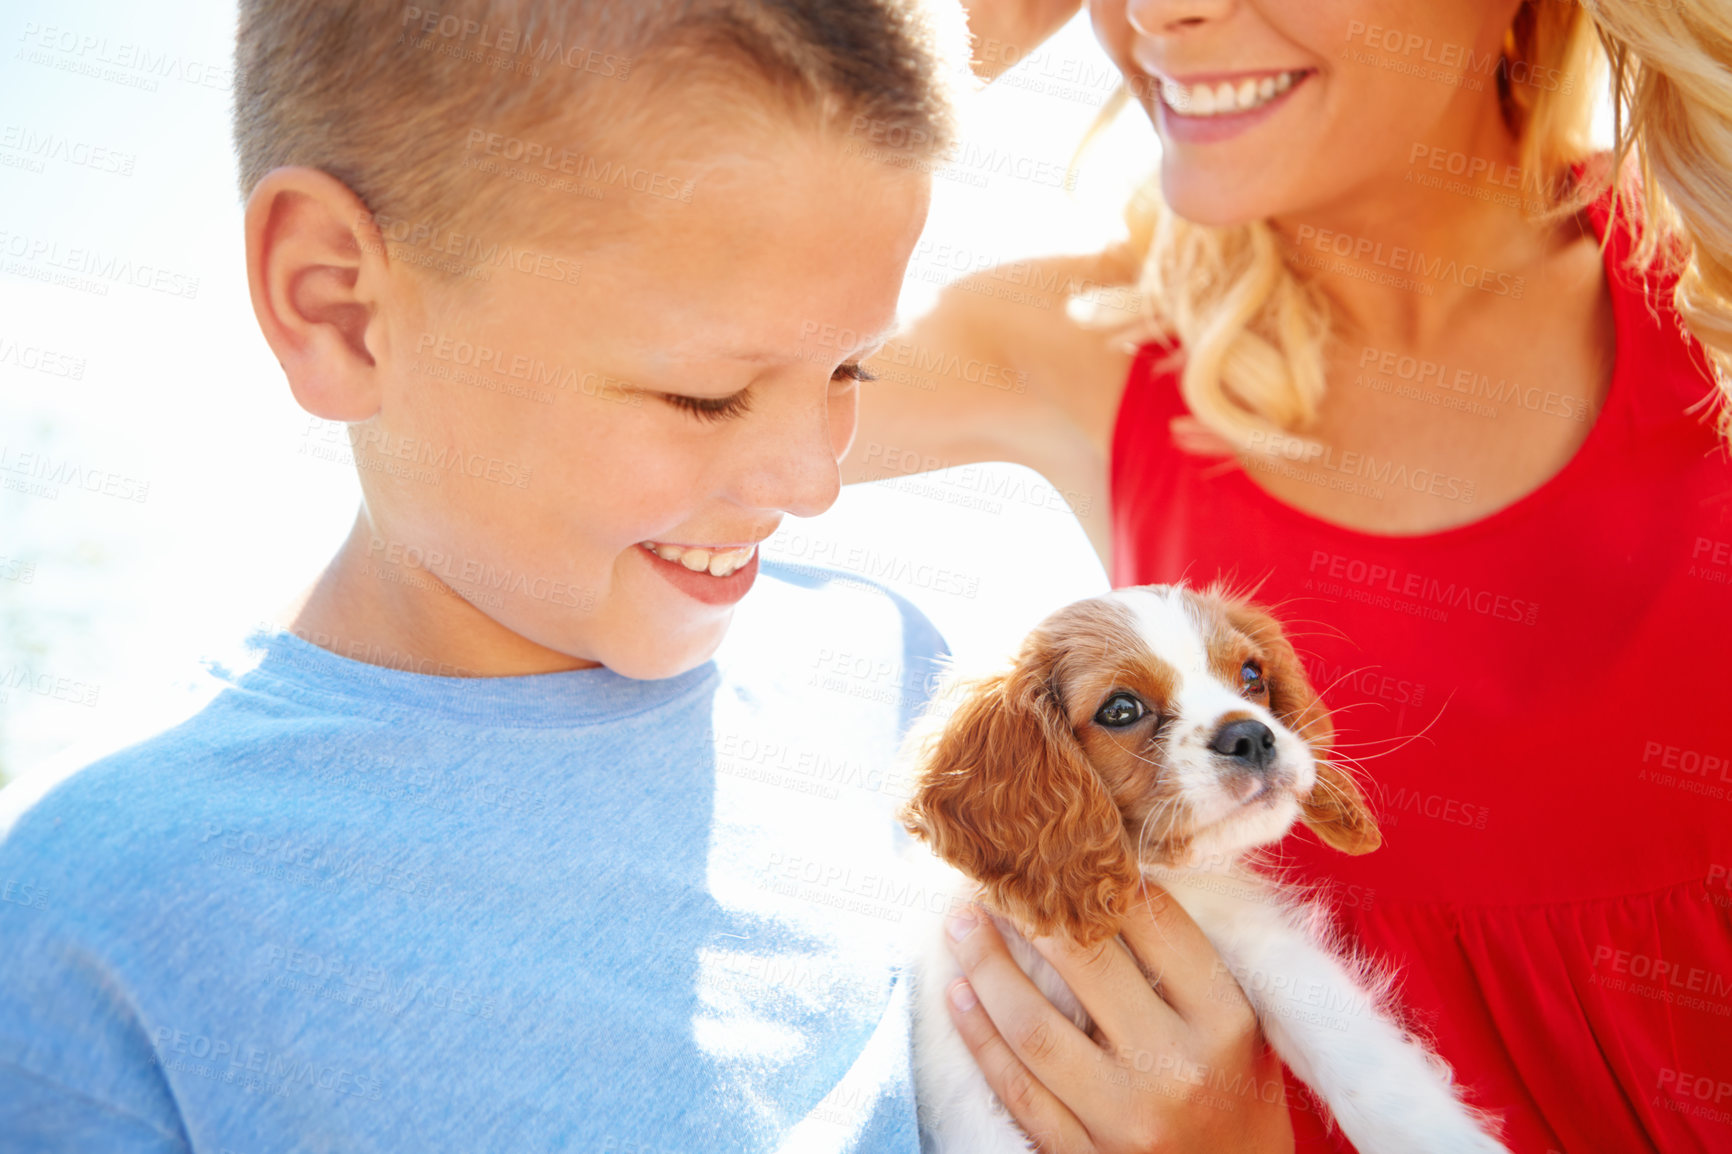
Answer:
(1004, 793)
(1336, 811)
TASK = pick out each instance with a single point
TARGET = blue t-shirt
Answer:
(348, 907)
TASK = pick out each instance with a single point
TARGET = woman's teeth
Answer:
(715, 562)
(1227, 96)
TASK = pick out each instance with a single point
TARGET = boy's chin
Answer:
(654, 662)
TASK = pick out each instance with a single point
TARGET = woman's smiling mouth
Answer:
(1207, 96)
(1205, 107)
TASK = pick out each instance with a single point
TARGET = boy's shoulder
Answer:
(836, 602)
(147, 799)
(832, 630)
(805, 634)
(134, 803)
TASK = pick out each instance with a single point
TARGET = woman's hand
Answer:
(1007, 30)
(1184, 1069)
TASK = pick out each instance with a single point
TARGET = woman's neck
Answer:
(1406, 257)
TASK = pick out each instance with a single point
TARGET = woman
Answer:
(1377, 366)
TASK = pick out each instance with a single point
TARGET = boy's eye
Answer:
(721, 408)
(711, 408)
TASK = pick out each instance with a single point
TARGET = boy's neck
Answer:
(362, 609)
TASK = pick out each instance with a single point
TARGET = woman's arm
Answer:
(998, 371)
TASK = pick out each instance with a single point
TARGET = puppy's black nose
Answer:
(1248, 742)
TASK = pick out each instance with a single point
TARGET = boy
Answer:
(497, 846)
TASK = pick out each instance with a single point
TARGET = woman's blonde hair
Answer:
(1253, 330)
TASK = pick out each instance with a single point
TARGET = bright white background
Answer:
(114, 600)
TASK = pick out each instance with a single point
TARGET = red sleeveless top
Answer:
(1555, 882)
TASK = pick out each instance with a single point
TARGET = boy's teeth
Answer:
(1226, 97)
(717, 563)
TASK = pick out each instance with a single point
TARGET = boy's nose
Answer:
(795, 466)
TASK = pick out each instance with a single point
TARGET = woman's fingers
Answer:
(1173, 950)
(1060, 1063)
(1005, 31)
(1114, 990)
(1145, 1089)
(1040, 1114)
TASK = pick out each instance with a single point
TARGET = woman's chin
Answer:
(1213, 199)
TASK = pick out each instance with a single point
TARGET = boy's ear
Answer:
(316, 269)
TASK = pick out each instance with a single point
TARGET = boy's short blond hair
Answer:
(384, 95)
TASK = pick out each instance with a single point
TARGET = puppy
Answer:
(1160, 733)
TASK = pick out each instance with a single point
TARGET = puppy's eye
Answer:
(1251, 678)
(1119, 710)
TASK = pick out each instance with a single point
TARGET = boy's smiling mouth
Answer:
(716, 560)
